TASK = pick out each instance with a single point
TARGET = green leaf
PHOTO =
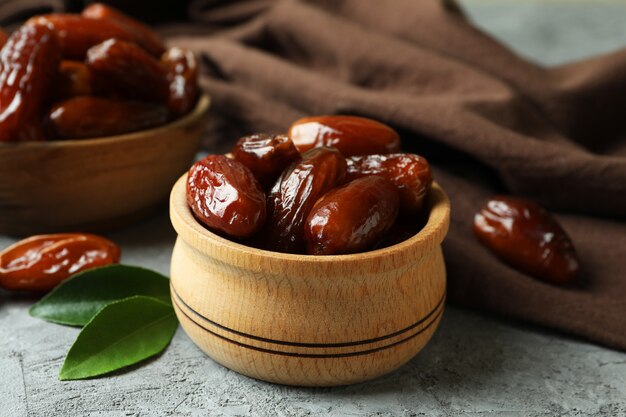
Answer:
(121, 334)
(76, 300)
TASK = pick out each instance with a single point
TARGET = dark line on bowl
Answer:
(311, 345)
(314, 355)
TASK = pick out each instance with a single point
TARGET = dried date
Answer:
(295, 192)
(410, 173)
(528, 238)
(265, 155)
(351, 135)
(224, 195)
(28, 65)
(78, 33)
(40, 263)
(353, 217)
(90, 117)
(124, 69)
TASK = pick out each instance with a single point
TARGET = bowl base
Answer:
(300, 370)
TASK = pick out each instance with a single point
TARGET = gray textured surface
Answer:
(475, 364)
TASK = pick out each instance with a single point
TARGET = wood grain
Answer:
(94, 184)
(308, 320)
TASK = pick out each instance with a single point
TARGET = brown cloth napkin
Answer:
(489, 122)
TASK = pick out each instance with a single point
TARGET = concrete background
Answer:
(475, 365)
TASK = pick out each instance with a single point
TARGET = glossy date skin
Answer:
(142, 34)
(28, 65)
(77, 33)
(91, 117)
(353, 217)
(410, 173)
(265, 155)
(295, 193)
(528, 238)
(40, 263)
(351, 135)
(122, 68)
(182, 76)
(224, 196)
(74, 80)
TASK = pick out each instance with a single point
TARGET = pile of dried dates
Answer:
(332, 185)
(100, 73)
(339, 184)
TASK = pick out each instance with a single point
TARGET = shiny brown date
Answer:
(143, 35)
(40, 263)
(351, 135)
(410, 173)
(353, 217)
(265, 155)
(77, 33)
(294, 194)
(74, 80)
(182, 76)
(90, 117)
(224, 195)
(28, 65)
(124, 69)
(528, 238)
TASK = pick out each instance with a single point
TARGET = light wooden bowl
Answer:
(94, 184)
(308, 320)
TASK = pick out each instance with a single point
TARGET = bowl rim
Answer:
(188, 228)
(201, 107)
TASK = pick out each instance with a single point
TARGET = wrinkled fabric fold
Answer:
(488, 120)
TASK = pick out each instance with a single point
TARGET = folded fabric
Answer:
(488, 121)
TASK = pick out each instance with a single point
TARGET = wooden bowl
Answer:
(308, 320)
(94, 184)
